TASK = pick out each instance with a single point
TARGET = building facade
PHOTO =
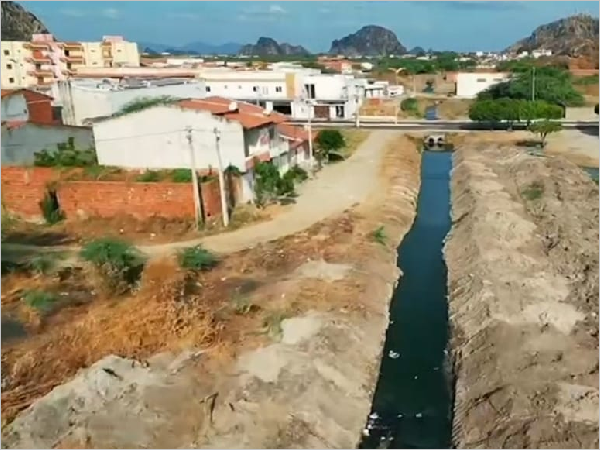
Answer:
(468, 84)
(43, 60)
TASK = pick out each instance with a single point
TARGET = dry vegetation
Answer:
(230, 308)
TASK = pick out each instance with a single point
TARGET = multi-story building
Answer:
(43, 60)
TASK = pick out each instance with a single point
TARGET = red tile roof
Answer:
(296, 133)
(250, 116)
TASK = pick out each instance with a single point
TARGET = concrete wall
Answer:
(247, 85)
(14, 108)
(468, 85)
(156, 139)
(81, 102)
(20, 144)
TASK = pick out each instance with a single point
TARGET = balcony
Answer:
(72, 46)
(37, 45)
(41, 73)
(76, 58)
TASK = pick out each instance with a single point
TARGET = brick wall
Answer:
(23, 188)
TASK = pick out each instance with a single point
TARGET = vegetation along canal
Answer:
(412, 401)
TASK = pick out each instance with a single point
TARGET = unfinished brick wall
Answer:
(24, 188)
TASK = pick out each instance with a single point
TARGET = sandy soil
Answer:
(295, 369)
(523, 282)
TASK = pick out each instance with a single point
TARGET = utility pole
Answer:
(310, 140)
(357, 88)
(224, 203)
(196, 186)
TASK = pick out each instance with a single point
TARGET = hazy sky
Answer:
(450, 25)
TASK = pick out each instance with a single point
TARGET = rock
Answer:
(371, 40)
(18, 24)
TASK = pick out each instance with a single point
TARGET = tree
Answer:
(327, 141)
(544, 128)
(549, 84)
(512, 110)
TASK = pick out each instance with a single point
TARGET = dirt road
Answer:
(523, 281)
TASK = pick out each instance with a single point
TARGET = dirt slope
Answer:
(523, 281)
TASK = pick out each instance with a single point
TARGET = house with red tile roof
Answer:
(205, 132)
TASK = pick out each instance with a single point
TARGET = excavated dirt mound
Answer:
(522, 259)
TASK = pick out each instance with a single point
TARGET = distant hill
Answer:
(18, 24)
(572, 36)
(266, 46)
(193, 48)
(371, 40)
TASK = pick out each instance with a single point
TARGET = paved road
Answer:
(436, 125)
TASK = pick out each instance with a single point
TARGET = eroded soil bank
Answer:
(298, 373)
(522, 261)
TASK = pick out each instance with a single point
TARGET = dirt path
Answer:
(336, 188)
(522, 262)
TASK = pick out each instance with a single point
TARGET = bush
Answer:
(118, 263)
(42, 265)
(533, 192)
(298, 173)
(66, 155)
(150, 176)
(181, 176)
(39, 300)
(409, 105)
(379, 235)
(51, 209)
(197, 258)
(285, 185)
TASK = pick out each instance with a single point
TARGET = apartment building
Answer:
(44, 60)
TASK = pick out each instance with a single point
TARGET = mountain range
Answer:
(197, 48)
(266, 46)
(371, 40)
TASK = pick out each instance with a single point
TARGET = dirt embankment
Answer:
(301, 360)
(522, 260)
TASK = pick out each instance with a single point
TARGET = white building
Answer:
(43, 60)
(165, 136)
(469, 84)
(84, 100)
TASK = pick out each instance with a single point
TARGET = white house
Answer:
(166, 137)
(469, 84)
(83, 100)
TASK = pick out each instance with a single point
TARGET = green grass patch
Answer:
(197, 258)
(39, 300)
(379, 235)
(534, 191)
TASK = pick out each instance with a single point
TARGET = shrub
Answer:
(409, 105)
(181, 176)
(272, 324)
(118, 263)
(285, 185)
(50, 208)
(42, 265)
(150, 176)
(298, 173)
(533, 192)
(242, 305)
(39, 300)
(379, 235)
(197, 258)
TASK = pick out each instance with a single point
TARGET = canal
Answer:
(412, 401)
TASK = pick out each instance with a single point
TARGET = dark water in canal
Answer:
(412, 402)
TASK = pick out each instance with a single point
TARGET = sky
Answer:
(449, 25)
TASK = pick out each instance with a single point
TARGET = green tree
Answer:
(328, 141)
(543, 128)
(512, 110)
(549, 84)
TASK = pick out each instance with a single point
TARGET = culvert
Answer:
(412, 404)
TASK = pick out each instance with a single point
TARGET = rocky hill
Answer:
(573, 36)
(18, 24)
(371, 40)
(266, 46)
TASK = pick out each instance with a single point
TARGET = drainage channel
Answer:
(412, 401)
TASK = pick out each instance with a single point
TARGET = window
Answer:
(9, 66)
(69, 66)
(224, 86)
(207, 88)
(278, 89)
(254, 88)
(11, 80)
(67, 53)
(239, 86)
(481, 80)
(38, 66)
(6, 52)
(498, 79)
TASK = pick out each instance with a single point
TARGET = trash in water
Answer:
(446, 352)
(416, 377)
(400, 416)
(436, 368)
(393, 354)
(366, 432)
(418, 415)
(374, 416)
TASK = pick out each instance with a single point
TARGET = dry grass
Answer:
(353, 140)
